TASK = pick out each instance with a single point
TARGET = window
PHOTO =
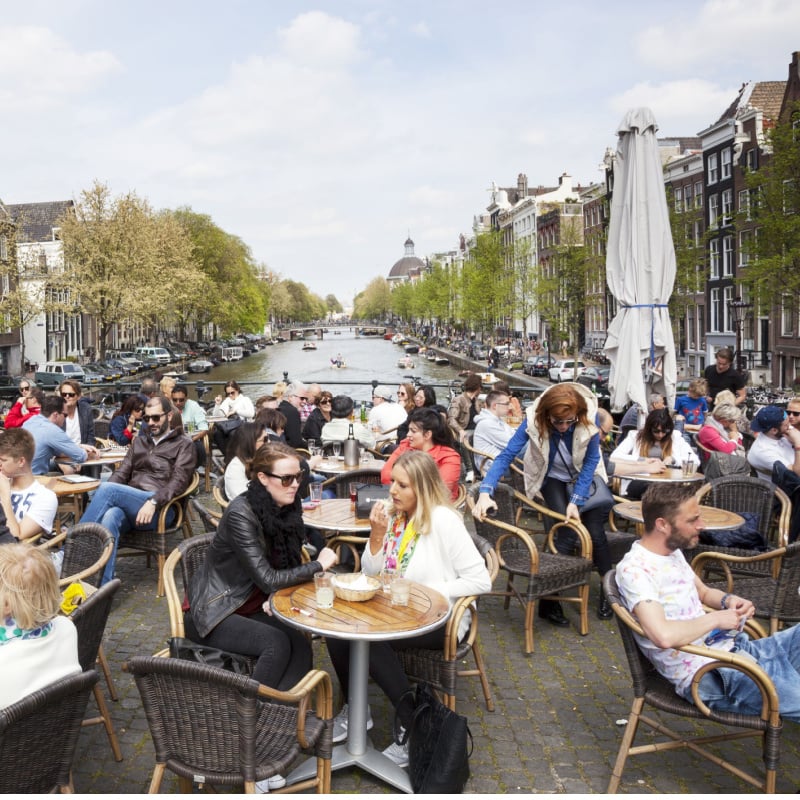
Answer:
(698, 233)
(712, 169)
(786, 315)
(727, 255)
(751, 160)
(698, 194)
(679, 200)
(726, 163)
(727, 298)
(687, 196)
(745, 245)
(744, 203)
(713, 210)
(3, 248)
(727, 206)
(715, 320)
(713, 257)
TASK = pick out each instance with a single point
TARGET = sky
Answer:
(324, 134)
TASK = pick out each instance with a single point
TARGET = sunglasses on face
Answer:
(178, 400)
(24, 388)
(68, 394)
(231, 393)
(658, 430)
(324, 402)
(556, 422)
(153, 417)
(286, 480)
(793, 413)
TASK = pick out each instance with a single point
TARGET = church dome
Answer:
(407, 264)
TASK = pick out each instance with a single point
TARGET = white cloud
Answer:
(722, 30)
(39, 69)
(421, 29)
(317, 38)
(677, 103)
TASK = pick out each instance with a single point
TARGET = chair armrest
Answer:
(177, 503)
(511, 533)
(174, 600)
(352, 543)
(702, 560)
(561, 522)
(460, 607)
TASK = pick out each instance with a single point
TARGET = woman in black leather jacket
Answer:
(255, 551)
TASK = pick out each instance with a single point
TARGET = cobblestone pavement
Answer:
(554, 728)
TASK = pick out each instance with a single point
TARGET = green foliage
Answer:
(374, 302)
(333, 305)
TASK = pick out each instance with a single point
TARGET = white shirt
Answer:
(628, 450)
(73, 427)
(242, 405)
(764, 452)
(491, 436)
(37, 502)
(385, 416)
(235, 478)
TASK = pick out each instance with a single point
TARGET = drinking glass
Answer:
(353, 489)
(323, 589)
(337, 449)
(400, 591)
(315, 494)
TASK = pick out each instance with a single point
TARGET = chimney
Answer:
(522, 184)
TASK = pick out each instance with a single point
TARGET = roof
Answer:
(405, 265)
(37, 220)
(767, 96)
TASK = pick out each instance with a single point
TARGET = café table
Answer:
(715, 519)
(668, 475)
(67, 489)
(335, 515)
(335, 466)
(360, 623)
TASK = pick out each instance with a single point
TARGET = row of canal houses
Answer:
(704, 177)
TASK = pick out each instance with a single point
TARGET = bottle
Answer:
(351, 455)
(363, 411)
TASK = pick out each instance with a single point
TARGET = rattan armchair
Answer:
(90, 619)
(547, 575)
(155, 542)
(341, 483)
(774, 592)
(472, 452)
(650, 688)
(216, 727)
(38, 735)
(218, 491)
(208, 518)
(442, 668)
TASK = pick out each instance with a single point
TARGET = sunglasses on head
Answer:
(286, 480)
(68, 394)
(153, 417)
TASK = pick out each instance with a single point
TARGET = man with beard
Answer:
(157, 468)
(660, 589)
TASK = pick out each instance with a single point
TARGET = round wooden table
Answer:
(360, 623)
(335, 515)
(65, 488)
(715, 519)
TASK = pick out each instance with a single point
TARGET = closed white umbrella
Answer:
(640, 268)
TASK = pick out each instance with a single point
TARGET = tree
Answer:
(119, 259)
(374, 302)
(486, 283)
(333, 305)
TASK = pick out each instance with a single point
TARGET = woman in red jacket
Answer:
(428, 432)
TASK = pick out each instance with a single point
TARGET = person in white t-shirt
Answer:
(37, 646)
(385, 415)
(29, 506)
(777, 440)
(660, 589)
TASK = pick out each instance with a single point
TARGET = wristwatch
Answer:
(152, 500)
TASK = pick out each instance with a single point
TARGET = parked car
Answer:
(56, 371)
(596, 378)
(564, 370)
(121, 366)
(537, 366)
(101, 369)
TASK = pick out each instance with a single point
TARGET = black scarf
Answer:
(282, 526)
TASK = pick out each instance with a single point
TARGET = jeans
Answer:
(115, 506)
(779, 656)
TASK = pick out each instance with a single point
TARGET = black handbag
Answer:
(368, 495)
(210, 656)
(229, 425)
(439, 746)
(599, 493)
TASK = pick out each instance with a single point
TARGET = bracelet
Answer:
(723, 604)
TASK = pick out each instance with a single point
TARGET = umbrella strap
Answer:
(652, 324)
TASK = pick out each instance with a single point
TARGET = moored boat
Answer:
(412, 348)
(200, 365)
(309, 345)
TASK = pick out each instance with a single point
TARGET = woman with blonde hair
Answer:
(421, 537)
(720, 431)
(166, 385)
(563, 446)
(37, 646)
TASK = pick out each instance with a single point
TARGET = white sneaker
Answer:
(397, 753)
(275, 782)
(469, 477)
(340, 723)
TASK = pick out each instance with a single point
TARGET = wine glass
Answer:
(337, 449)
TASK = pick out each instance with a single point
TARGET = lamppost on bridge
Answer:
(739, 310)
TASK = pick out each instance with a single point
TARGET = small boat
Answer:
(412, 348)
(337, 364)
(337, 333)
(231, 353)
(200, 365)
(309, 345)
(173, 374)
(405, 363)
(442, 361)
(398, 338)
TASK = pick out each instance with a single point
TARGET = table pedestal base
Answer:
(358, 751)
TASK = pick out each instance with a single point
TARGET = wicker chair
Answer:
(743, 494)
(213, 726)
(38, 735)
(547, 574)
(650, 688)
(154, 542)
(208, 518)
(341, 482)
(469, 453)
(90, 619)
(102, 428)
(774, 593)
(218, 492)
(441, 668)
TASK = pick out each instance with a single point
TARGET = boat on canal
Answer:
(309, 345)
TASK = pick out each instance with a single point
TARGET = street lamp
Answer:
(739, 310)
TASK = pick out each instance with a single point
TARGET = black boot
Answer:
(604, 610)
(551, 611)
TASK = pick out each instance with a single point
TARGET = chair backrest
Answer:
(210, 522)
(506, 513)
(38, 735)
(102, 428)
(745, 495)
(219, 492)
(340, 483)
(90, 619)
(87, 548)
(207, 719)
(640, 667)
(786, 602)
(190, 555)
(489, 555)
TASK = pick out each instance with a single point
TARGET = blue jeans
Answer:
(115, 506)
(779, 656)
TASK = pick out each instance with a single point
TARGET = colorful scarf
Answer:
(9, 631)
(399, 544)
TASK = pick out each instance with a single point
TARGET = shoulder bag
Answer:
(439, 746)
(599, 493)
(210, 656)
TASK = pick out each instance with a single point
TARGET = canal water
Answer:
(367, 359)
